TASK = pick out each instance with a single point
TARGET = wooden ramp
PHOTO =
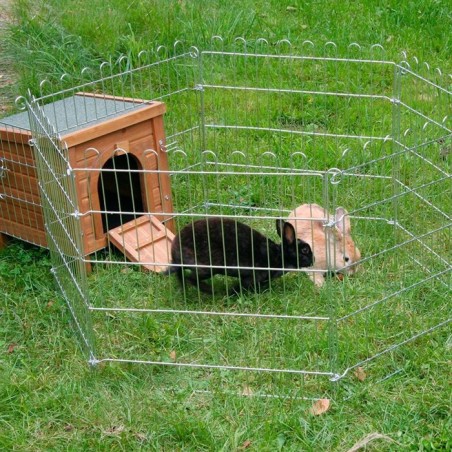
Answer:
(144, 240)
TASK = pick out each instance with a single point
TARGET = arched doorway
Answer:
(119, 190)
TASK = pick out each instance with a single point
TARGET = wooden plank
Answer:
(24, 232)
(15, 207)
(89, 154)
(18, 194)
(14, 134)
(102, 147)
(111, 97)
(85, 155)
(85, 205)
(92, 243)
(144, 240)
(23, 183)
(17, 153)
(122, 145)
(114, 124)
(139, 144)
(11, 225)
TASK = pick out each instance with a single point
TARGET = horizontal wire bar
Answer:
(395, 346)
(444, 261)
(217, 366)
(400, 195)
(278, 172)
(297, 91)
(427, 269)
(191, 215)
(376, 160)
(414, 192)
(183, 132)
(16, 162)
(208, 266)
(197, 173)
(259, 394)
(428, 162)
(394, 294)
(298, 57)
(22, 200)
(210, 313)
(425, 80)
(300, 172)
(406, 242)
(295, 132)
(418, 113)
(172, 93)
(245, 207)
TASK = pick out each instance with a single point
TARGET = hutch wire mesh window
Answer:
(248, 131)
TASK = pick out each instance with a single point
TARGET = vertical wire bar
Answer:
(395, 133)
(329, 289)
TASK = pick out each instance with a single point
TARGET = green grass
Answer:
(52, 38)
(52, 399)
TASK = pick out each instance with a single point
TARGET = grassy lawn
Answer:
(51, 399)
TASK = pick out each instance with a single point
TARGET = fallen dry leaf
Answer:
(245, 445)
(11, 347)
(320, 407)
(172, 355)
(140, 436)
(68, 428)
(247, 391)
(49, 304)
(115, 430)
(360, 374)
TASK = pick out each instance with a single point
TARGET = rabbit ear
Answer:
(343, 220)
(289, 233)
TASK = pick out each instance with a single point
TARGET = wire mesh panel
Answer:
(293, 225)
(62, 222)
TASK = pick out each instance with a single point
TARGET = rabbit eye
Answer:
(346, 258)
(305, 250)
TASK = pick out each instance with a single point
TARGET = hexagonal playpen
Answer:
(247, 131)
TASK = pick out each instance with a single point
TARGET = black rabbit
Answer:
(228, 247)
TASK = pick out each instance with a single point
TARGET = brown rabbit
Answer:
(309, 221)
(228, 247)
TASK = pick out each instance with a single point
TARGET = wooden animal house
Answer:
(115, 148)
